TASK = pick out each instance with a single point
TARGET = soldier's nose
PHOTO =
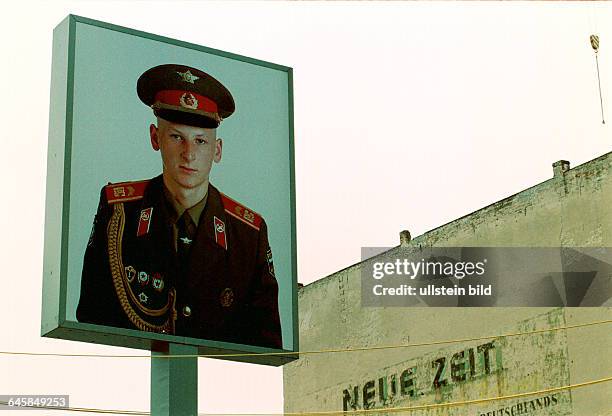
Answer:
(188, 153)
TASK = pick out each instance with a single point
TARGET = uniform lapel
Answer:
(208, 259)
(160, 235)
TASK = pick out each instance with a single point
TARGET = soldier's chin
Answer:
(190, 183)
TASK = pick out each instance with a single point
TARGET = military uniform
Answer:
(132, 276)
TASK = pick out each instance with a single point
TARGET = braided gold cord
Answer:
(115, 232)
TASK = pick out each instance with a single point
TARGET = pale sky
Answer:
(407, 116)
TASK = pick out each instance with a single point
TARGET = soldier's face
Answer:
(187, 153)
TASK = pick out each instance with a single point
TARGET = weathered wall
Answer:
(571, 209)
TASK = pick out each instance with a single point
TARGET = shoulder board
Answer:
(125, 191)
(244, 214)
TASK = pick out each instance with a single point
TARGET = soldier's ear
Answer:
(154, 137)
(218, 150)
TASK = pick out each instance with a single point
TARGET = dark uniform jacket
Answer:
(132, 277)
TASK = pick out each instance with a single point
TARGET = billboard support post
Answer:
(174, 381)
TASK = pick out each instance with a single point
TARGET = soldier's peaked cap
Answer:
(185, 95)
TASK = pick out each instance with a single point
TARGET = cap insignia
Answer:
(187, 100)
(187, 76)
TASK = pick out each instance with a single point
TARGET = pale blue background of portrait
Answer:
(110, 141)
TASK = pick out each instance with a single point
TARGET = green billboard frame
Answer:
(54, 322)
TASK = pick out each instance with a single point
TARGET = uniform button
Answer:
(186, 311)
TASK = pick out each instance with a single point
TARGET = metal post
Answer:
(174, 382)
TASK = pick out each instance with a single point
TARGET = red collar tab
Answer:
(244, 214)
(186, 99)
(220, 236)
(125, 191)
(144, 222)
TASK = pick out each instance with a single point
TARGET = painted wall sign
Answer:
(469, 371)
(425, 377)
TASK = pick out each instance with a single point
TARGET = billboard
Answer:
(170, 211)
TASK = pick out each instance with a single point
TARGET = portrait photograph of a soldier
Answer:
(173, 254)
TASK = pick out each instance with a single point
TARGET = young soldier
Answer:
(173, 254)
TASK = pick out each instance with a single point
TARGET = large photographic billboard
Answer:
(170, 213)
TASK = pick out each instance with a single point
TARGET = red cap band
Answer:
(186, 99)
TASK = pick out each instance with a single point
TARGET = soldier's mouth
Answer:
(187, 170)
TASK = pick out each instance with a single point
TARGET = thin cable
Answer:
(365, 411)
(312, 352)
(594, 40)
(78, 409)
(599, 85)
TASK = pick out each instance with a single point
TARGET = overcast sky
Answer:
(407, 116)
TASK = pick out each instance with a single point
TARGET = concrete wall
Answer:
(571, 209)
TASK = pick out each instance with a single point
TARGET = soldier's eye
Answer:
(175, 137)
(201, 141)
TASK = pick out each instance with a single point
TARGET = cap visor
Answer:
(190, 119)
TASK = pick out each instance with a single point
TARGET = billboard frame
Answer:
(54, 323)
